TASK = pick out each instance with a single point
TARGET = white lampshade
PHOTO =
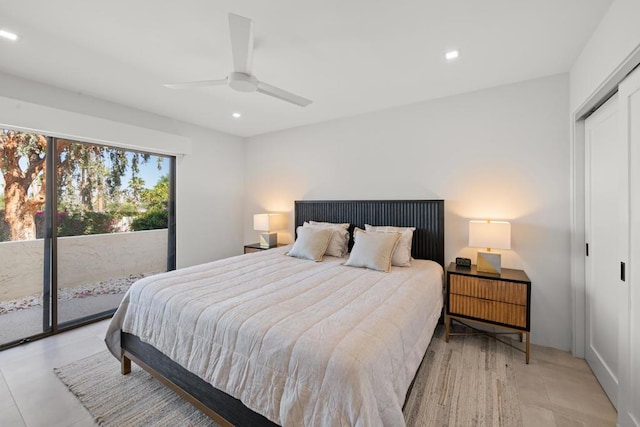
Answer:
(490, 234)
(266, 222)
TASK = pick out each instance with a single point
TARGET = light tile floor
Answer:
(555, 388)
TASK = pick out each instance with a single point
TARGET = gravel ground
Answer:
(107, 287)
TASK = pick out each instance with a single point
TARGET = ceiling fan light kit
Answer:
(241, 78)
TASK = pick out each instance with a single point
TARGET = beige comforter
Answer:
(303, 343)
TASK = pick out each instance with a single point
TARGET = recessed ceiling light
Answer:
(8, 35)
(236, 115)
(451, 55)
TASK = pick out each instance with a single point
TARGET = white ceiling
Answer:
(348, 56)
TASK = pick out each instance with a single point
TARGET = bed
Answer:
(267, 339)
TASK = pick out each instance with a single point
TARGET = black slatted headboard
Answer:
(426, 215)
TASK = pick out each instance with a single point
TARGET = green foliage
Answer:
(85, 223)
(30, 145)
(152, 220)
(136, 186)
(156, 198)
(90, 193)
(91, 175)
(122, 209)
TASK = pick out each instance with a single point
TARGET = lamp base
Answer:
(489, 262)
(268, 240)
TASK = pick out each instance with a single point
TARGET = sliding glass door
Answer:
(112, 225)
(71, 246)
(23, 158)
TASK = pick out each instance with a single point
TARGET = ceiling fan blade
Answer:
(196, 84)
(267, 89)
(241, 30)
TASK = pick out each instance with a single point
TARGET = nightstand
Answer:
(255, 247)
(502, 300)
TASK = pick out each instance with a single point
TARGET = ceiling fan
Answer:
(240, 78)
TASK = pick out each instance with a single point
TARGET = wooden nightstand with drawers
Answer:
(501, 300)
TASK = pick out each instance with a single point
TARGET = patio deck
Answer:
(22, 317)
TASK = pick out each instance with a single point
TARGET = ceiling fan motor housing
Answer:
(243, 82)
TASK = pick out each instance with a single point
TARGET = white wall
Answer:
(501, 153)
(615, 38)
(209, 180)
(210, 190)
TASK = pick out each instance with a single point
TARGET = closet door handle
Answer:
(622, 271)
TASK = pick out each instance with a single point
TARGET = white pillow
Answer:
(311, 243)
(373, 250)
(402, 254)
(339, 244)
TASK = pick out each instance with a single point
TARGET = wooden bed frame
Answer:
(428, 243)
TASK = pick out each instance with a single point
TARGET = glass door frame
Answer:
(50, 324)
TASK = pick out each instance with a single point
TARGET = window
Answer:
(71, 246)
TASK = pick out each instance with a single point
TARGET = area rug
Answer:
(468, 381)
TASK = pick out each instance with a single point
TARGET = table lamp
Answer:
(491, 235)
(267, 222)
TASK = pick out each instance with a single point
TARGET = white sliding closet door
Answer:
(605, 155)
(629, 397)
